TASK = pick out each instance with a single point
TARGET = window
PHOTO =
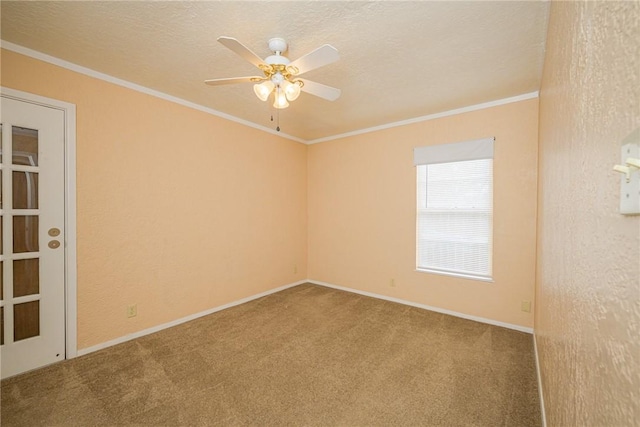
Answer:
(455, 208)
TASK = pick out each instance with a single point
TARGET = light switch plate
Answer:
(630, 191)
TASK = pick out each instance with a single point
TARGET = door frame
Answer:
(70, 248)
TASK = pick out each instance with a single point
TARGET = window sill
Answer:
(459, 275)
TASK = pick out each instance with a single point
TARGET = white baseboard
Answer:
(542, 411)
(176, 322)
(427, 307)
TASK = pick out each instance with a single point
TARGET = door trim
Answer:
(70, 267)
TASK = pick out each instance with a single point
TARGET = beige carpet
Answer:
(308, 355)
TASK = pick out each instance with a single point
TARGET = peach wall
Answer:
(587, 320)
(362, 213)
(178, 211)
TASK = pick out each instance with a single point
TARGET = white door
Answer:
(33, 237)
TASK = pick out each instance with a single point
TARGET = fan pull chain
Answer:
(278, 122)
(277, 119)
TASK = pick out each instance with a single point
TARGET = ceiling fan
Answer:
(280, 75)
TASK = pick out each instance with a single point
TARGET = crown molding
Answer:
(138, 88)
(476, 107)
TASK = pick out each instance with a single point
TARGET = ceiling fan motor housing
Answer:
(277, 46)
(277, 60)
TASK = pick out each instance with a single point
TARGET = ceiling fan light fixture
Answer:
(279, 73)
(263, 90)
(277, 78)
(280, 99)
(292, 90)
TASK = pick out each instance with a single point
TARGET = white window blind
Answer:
(455, 208)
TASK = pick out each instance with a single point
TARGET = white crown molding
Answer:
(134, 86)
(518, 98)
(426, 307)
(177, 322)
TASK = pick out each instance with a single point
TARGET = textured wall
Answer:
(178, 211)
(588, 286)
(362, 213)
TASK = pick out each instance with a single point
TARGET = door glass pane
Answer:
(25, 234)
(1, 325)
(0, 142)
(1, 280)
(26, 277)
(26, 320)
(1, 241)
(25, 146)
(25, 190)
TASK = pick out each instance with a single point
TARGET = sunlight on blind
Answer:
(455, 216)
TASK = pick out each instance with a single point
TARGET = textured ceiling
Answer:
(398, 60)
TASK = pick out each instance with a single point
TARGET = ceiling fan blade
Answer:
(241, 50)
(318, 89)
(218, 82)
(320, 57)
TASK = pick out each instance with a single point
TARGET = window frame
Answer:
(454, 153)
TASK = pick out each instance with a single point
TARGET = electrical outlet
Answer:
(295, 268)
(526, 306)
(393, 283)
(132, 310)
